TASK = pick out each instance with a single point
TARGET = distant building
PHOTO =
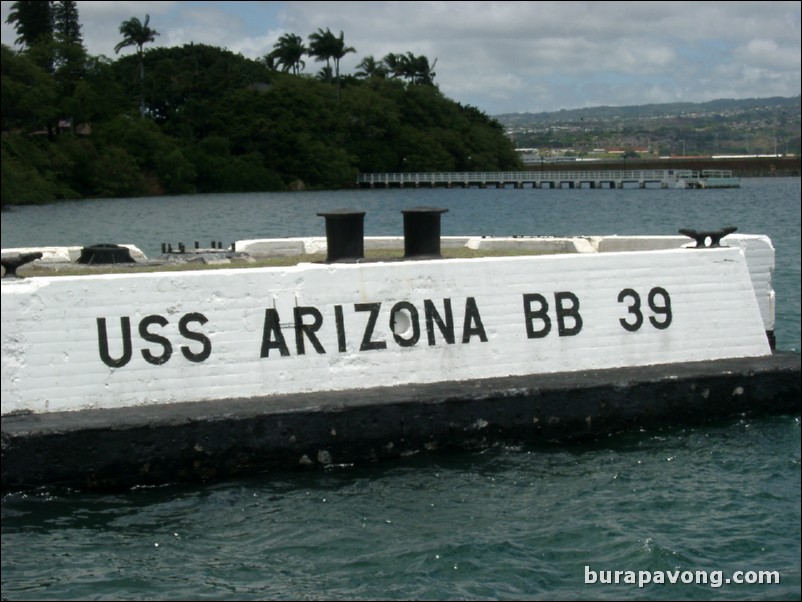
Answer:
(529, 156)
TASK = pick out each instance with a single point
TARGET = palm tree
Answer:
(325, 74)
(415, 69)
(394, 64)
(340, 50)
(287, 53)
(321, 46)
(324, 45)
(419, 69)
(136, 33)
(33, 22)
(370, 67)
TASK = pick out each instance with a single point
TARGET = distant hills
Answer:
(766, 126)
(724, 106)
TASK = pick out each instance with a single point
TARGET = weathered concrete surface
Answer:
(122, 340)
(118, 448)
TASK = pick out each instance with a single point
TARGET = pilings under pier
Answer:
(656, 178)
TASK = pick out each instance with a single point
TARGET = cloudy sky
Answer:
(509, 56)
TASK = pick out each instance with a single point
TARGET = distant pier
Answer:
(648, 178)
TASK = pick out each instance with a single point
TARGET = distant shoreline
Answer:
(757, 167)
(741, 167)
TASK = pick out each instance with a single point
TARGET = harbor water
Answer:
(712, 511)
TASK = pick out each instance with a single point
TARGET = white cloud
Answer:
(511, 56)
(769, 55)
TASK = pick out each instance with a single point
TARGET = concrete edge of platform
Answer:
(120, 448)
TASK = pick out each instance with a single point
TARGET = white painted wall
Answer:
(758, 249)
(51, 352)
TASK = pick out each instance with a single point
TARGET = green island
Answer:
(201, 119)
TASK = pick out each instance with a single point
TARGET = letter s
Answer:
(195, 336)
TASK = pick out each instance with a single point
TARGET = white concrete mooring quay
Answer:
(115, 380)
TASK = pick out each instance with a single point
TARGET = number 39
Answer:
(659, 302)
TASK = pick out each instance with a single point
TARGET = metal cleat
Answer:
(12, 263)
(702, 237)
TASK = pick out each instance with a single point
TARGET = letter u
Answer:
(103, 343)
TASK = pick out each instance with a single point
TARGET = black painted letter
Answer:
(338, 320)
(473, 322)
(156, 360)
(432, 317)
(103, 343)
(271, 331)
(195, 336)
(367, 343)
(572, 312)
(663, 309)
(405, 308)
(541, 314)
(634, 309)
(308, 329)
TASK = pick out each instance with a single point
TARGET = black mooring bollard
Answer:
(422, 232)
(12, 263)
(344, 235)
(105, 254)
(703, 237)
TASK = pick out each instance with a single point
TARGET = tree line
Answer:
(198, 118)
(290, 49)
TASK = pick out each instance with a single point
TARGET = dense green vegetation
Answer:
(203, 119)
